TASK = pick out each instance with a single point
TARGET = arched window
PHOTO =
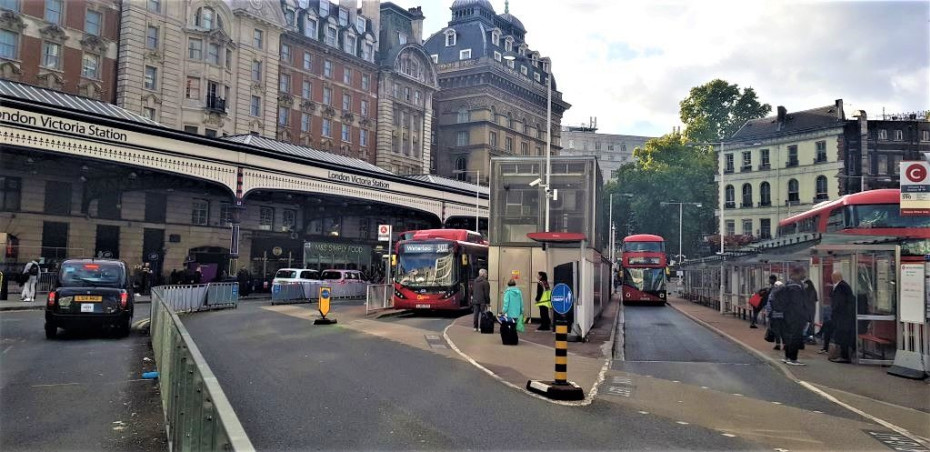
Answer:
(793, 195)
(747, 195)
(460, 168)
(729, 197)
(822, 188)
(765, 194)
(462, 116)
(206, 18)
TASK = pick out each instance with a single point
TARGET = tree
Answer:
(714, 111)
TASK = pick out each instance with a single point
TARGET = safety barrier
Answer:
(379, 297)
(199, 297)
(222, 295)
(197, 414)
(293, 292)
(47, 282)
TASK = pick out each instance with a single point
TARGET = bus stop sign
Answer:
(562, 298)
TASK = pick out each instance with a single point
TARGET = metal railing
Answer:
(379, 297)
(296, 292)
(197, 414)
(199, 297)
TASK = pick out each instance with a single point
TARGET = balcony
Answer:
(745, 168)
(764, 167)
(820, 159)
(729, 205)
(792, 202)
(821, 198)
(216, 104)
(728, 170)
(746, 205)
(765, 203)
(792, 163)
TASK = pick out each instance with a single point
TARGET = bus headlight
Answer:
(398, 294)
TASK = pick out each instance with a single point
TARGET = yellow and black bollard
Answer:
(560, 388)
(561, 353)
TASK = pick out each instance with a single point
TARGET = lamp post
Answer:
(477, 199)
(680, 218)
(510, 56)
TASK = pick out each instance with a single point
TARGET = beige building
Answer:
(779, 166)
(207, 67)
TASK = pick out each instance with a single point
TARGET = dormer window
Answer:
(360, 24)
(508, 44)
(536, 76)
(522, 49)
(324, 8)
(497, 56)
(310, 28)
(523, 70)
(510, 64)
(289, 17)
(465, 54)
(331, 36)
(343, 17)
(450, 38)
(496, 37)
(205, 18)
(349, 45)
(401, 38)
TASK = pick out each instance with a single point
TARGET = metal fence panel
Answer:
(199, 297)
(379, 297)
(222, 294)
(288, 293)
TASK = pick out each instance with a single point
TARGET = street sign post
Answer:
(560, 388)
(384, 235)
(562, 298)
(325, 293)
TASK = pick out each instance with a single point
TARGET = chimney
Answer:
(417, 24)
(840, 116)
(371, 9)
(782, 114)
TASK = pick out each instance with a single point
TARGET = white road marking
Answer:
(777, 403)
(643, 412)
(56, 385)
(729, 435)
(818, 411)
(738, 395)
(7, 349)
(703, 387)
(681, 422)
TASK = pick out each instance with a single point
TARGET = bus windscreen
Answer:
(645, 279)
(423, 265)
(654, 247)
(886, 216)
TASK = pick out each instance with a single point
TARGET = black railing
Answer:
(728, 170)
(792, 202)
(764, 167)
(765, 203)
(792, 163)
(217, 104)
(820, 198)
(729, 205)
(820, 159)
(745, 168)
(746, 204)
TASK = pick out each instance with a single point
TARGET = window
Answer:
(324, 8)
(151, 78)
(764, 157)
(226, 216)
(747, 227)
(792, 156)
(396, 91)
(523, 70)
(925, 135)
(148, 113)
(8, 44)
(508, 44)
(346, 102)
(435, 58)
(285, 53)
(364, 108)
(310, 29)
(731, 227)
(747, 195)
(460, 166)
(461, 139)
(154, 6)
(90, 66)
(368, 51)
(497, 56)
(327, 127)
(10, 193)
(821, 152)
(510, 64)
(765, 228)
(363, 137)
(366, 82)
(525, 148)
(265, 218)
(205, 18)
(213, 54)
(256, 71)
(229, 59)
(345, 133)
(508, 144)
(898, 135)
(462, 116)
(255, 106)
(349, 45)
(93, 22)
(258, 37)
(882, 134)
(361, 24)
(347, 76)
(793, 195)
(200, 212)
(729, 197)
(306, 89)
(151, 38)
(765, 194)
(728, 159)
(289, 17)
(747, 160)
(331, 36)
(51, 55)
(417, 97)
(54, 10)
(308, 61)
(343, 17)
(537, 77)
(327, 96)
(822, 188)
(284, 114)
(304, 122)
(195, 49)
(450, 38)
(190, 129)
(496, 38)
(464, 54)
(328, 69)
(288, 219)
(407, 94)
(284, 83)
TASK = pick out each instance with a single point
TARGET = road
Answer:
(299, 386)
(79, 392)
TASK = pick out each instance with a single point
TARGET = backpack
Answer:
(788, 297)
(34, 270)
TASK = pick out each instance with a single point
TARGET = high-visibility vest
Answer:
(546, 299)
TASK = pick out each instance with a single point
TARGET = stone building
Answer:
(207, 67)
(489, 105)
(611, 150)
(876, 147)
(65, 46)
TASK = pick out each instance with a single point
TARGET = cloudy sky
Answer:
(629, 63)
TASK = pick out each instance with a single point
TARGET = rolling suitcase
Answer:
(486, 322)
(509, 333)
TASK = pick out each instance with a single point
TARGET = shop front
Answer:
(322, 255)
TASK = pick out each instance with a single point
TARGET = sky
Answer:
(630, 62)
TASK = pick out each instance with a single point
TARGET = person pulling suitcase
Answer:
(480, 298)
(511, 313)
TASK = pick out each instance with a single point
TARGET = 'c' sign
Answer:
(916, 173)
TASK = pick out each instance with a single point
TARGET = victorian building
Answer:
(493, 92)
(611, 150)
(65, 46)
(876, 148)
(406, 87)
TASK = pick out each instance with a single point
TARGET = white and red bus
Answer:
(643, 261)
(435, 268)
(873, 212)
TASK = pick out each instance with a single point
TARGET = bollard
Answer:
(561, 353)
(3, 287)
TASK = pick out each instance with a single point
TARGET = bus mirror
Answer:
(464, 259)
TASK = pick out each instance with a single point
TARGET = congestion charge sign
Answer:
(915, 188)
(562, 298)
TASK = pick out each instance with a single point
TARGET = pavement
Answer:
(897, 403)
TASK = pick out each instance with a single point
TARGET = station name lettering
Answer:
(358, 180)
(62, 125)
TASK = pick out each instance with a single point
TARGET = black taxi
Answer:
(93, 293)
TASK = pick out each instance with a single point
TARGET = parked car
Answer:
(295, 275)
(345, 283)
(90, 293)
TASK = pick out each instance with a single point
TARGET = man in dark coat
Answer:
(792, 301)
(480, 295)
(843, 304)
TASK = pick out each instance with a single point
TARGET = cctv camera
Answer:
(535, 182)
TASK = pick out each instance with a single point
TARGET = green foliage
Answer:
(716, 110)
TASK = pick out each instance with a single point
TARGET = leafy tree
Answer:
(716, 110)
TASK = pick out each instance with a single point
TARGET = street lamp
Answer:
(680, 218)
(510, 56)
(477, 200)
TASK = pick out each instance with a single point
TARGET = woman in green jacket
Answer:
(513, 301)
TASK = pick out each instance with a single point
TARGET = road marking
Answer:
(7, 349)
(623, 391)
(818, 411)
(897, 442)
(777, 403)
(703, 387)
(56, 385)
(622, 380)
(643, 412)
(729, 435)
(681, 422)
(738, 395)
(781, 450)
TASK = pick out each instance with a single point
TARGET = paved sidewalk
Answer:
(534, 357)
(871, 389)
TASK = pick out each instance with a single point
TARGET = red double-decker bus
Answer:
(873, 212)
(435, 268)
(643, 262)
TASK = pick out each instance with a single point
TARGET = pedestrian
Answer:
(843, 303)
(763, 298)
(811, 309)
(480, 296)
(544, 302)
(31, 273)
(776, 317)
(791, 301)
(513, 302)
(826, 328)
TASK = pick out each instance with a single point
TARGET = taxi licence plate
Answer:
(423, 306)
(97, 298)
(87, 307)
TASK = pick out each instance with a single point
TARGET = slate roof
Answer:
(795, 122)
(513, 20)
(70, 101)
(451, 183)
(466, 3)
(305, 152)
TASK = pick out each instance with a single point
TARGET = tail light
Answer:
(51, 298)
(123, 299)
